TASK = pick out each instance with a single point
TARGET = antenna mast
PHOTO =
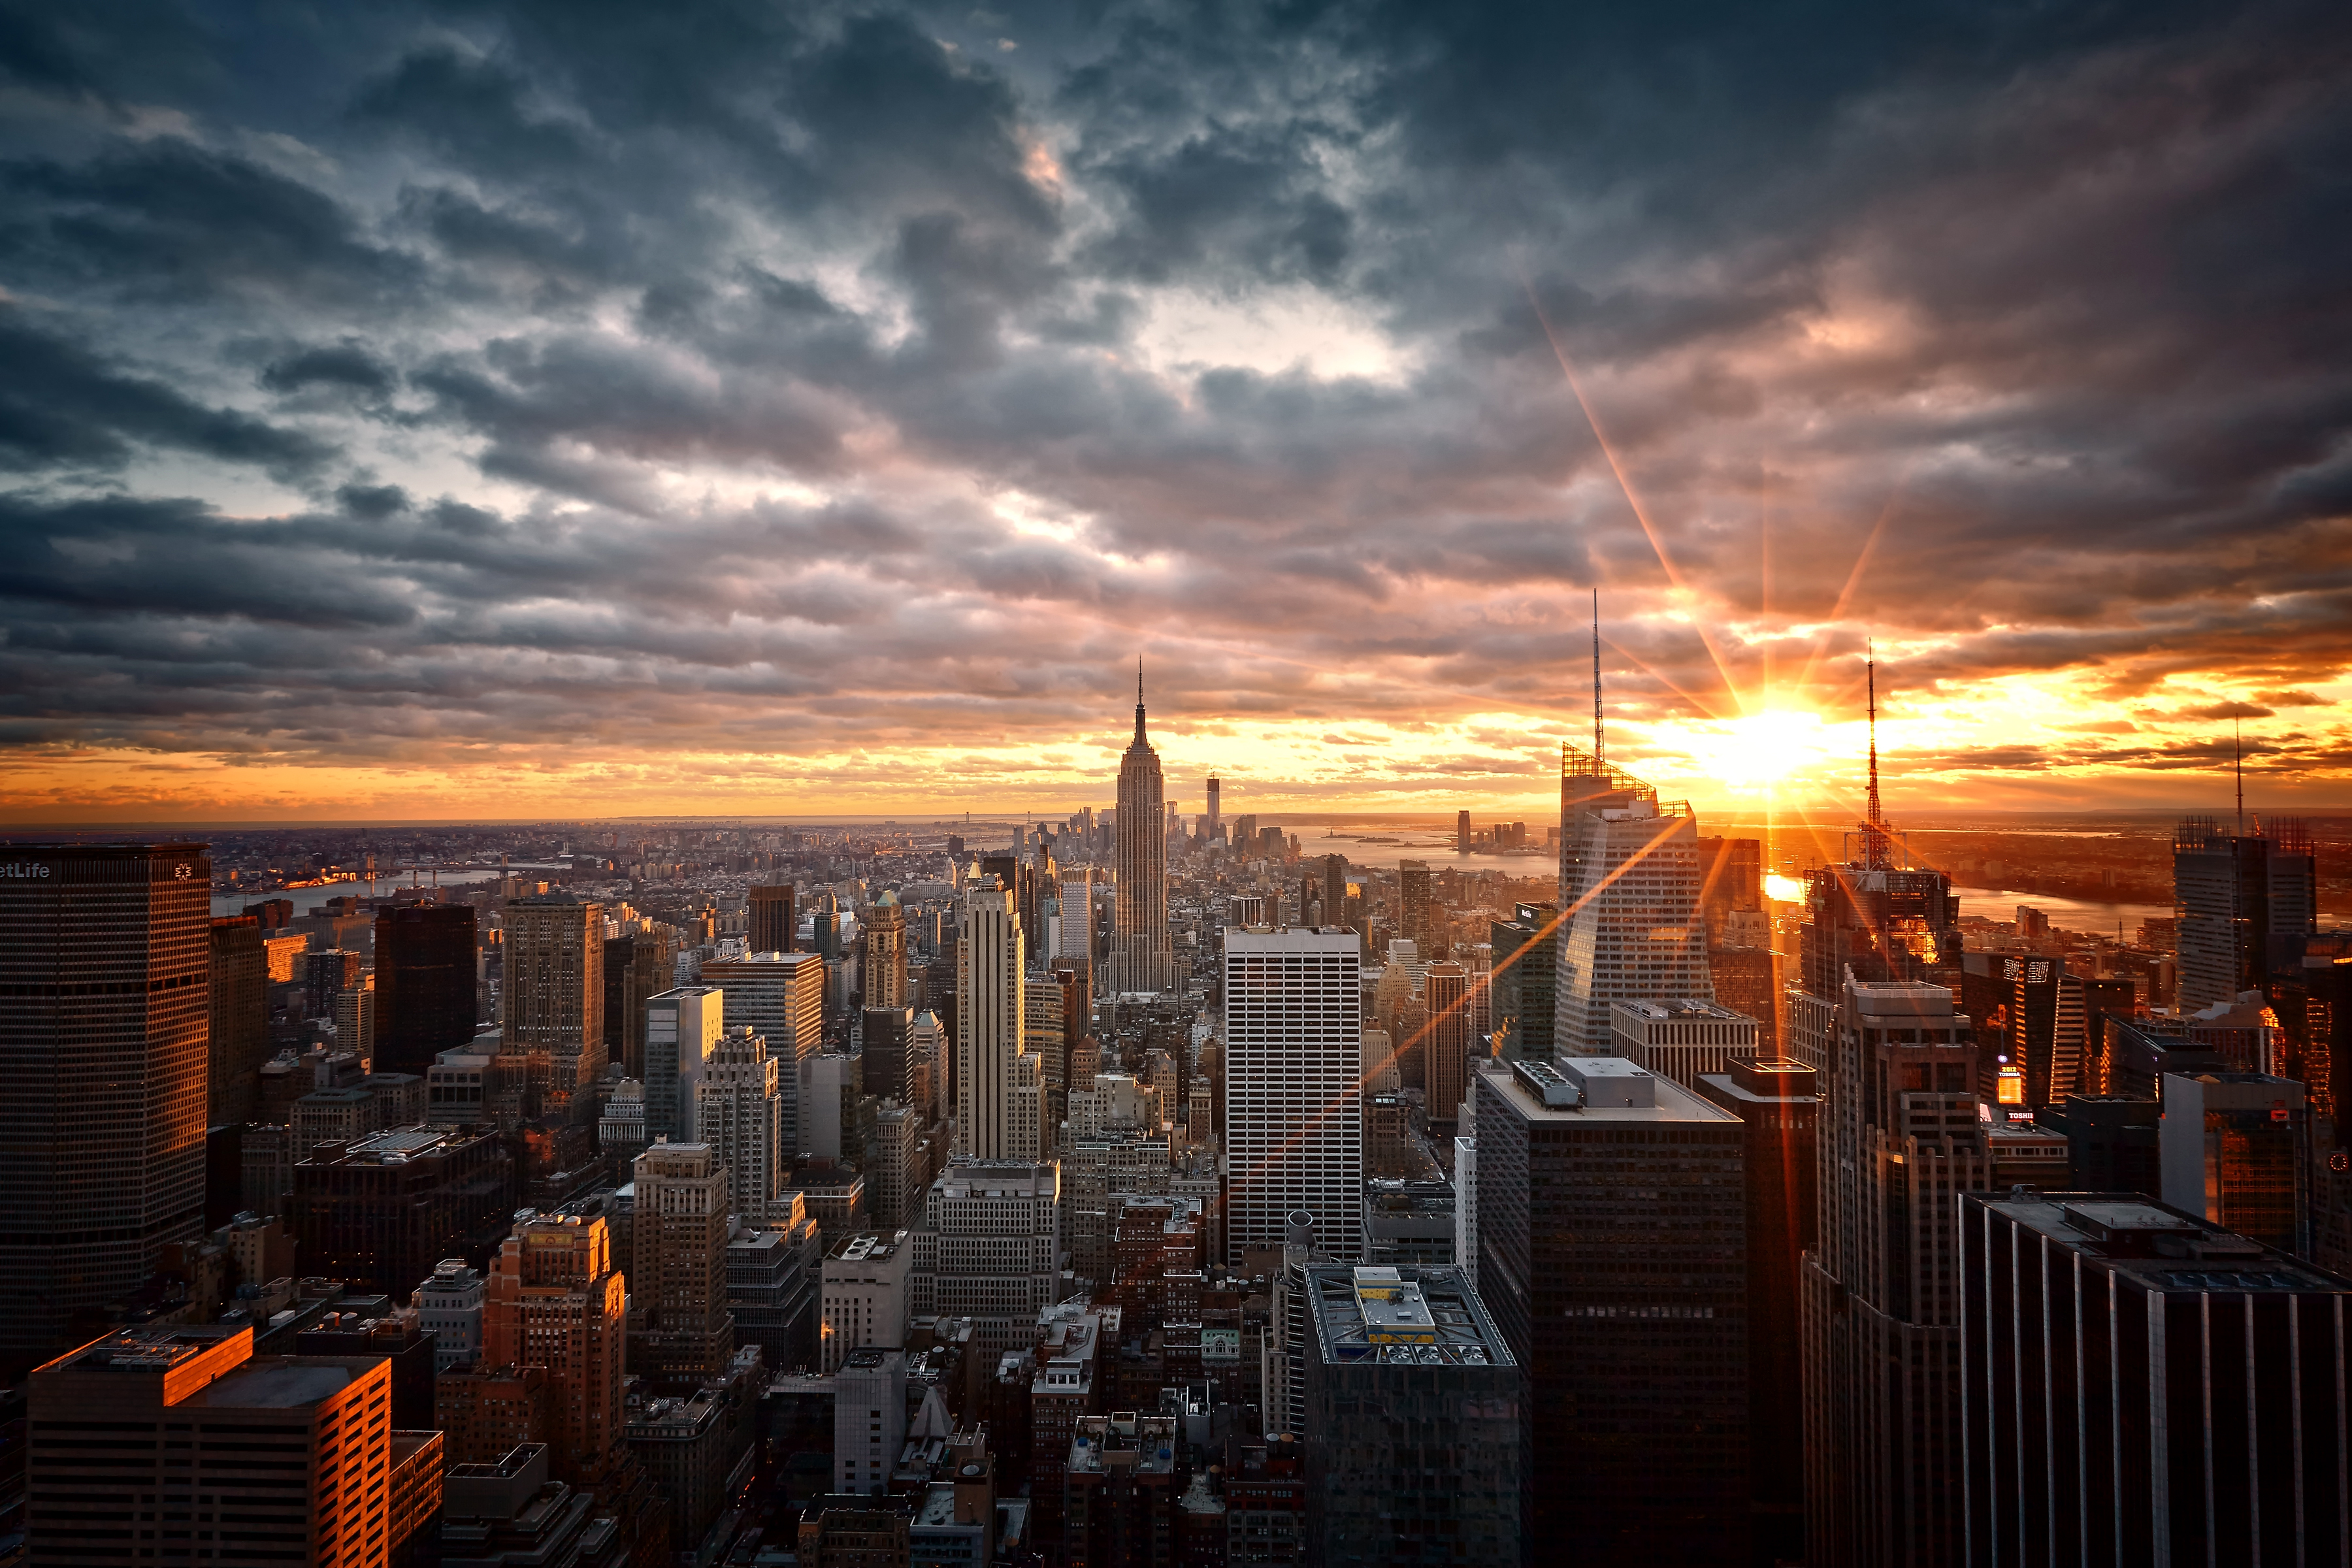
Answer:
(1599, 755)
(1874, 832)
(2238, 746)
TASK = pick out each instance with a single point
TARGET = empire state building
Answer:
(1139, 956)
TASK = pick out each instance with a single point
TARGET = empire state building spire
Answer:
(1140, 957)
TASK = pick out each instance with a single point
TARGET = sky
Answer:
(602, 409)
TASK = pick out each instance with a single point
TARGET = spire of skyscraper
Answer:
(1139, 700)
(1599, 753)
(1140, 953)
(1874, 831)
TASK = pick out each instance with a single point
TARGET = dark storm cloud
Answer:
(831, 360)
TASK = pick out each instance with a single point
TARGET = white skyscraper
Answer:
(1077, 940)
(782, 996)
(990, 1011)
(1629, 884)
(738, 1111)
(1294, 1095)
(682, 1026)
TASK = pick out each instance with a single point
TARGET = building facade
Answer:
(1629, 886)
(990, 1004)
(554, 992)
(425, 983)
(105, 1009)
(1141, 957)
(1293, 1115)
(678, 1280)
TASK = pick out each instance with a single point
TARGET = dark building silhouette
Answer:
(239, 1020)
(772, 920)
(105, 1007)
(1778, 1107)
(2111, 1143)
(882, 1064)
(380, 1211)
(424, 984)
(2140, 1386)
(2241, 896)
(1610, 1221)
(1525, 961)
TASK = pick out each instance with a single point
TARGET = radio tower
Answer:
(1873, 833)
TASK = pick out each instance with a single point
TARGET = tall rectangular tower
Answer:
(682, 1028)
(1526, 966)
(1611, 1252)
(1628, 881)
(738, 1112)
(2139, 1386)
(678, 1274)
(782, 996)
(555, 988)
(425, 983)
(105, 1015)
(1902, 1139)
(772, 922)
(992, 1006)
(2237, 894)
(554, 1299)
(240, 1020)
(1294, 1094)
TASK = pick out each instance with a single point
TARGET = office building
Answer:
(1420, 914)
(1119, 1486)
(1612, 1225)
(2031, 1016)
(677, 1282)
(2112, 1142)
(1779, 1106)
(449, 1307)
(180, 1444)
(1413, 1428)
(1681, 1037)
(1294, 1099)
(682, 1028)
(988, 1249)
(740, 1111)
(2236, 1151)
(1409, 1221)
(1212, 823)
(781, 996)
(869, 1423)
(864, 1294)
(1524, 971)
(424, 986)
(1902, 1138)
(327, 974)
(105, 952)
(772, 926)
(1629, 881)
(2242, 897)
(883, 1058)
(379, 1213)
(554, 1300)
(884, 933)
(638, 966)
(355, 1020)
(1447, 1045)
(2138, 1386)
(898, 1163)
(990, 1003)
(507, 1510)
(554, 991)
(1075, 937)
(773, 1269)
(1141, 957)
(240, 1018)
(391, 1332)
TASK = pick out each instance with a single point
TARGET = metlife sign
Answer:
(25, 870)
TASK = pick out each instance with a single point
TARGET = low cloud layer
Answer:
(584, 408)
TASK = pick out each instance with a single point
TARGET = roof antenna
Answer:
(1599, 755)
(2238, 745)
(1871, 664)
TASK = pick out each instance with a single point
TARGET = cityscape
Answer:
(865, 784)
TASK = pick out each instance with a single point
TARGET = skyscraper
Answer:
(1901, 1140)
(2235, 1149)
(773, 922)
(1779, 1114)
(1526, 969)
(2142, 1387)
(2240, 896)
(240, 1020)
(738, 1112)
(1628, 881)
(105, 1006)
(678, 1277)
(885, 936)
(992, 1006)
(1446, 1052)
(554, 992)
(1335, 889)
(1293, 1095)
(554, 1299)
(425, 983)
(1141, 958)
(1077, 942)
(1610, 1229)
(781, 996)
(682, 1028)
(1417, 911)
(987, 1248)
(637, 965)
(1212, 823)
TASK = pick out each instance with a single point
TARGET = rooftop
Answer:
(1680, 1007)
(1565, 1094)
(2158, 1248)
(1401, 1316)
